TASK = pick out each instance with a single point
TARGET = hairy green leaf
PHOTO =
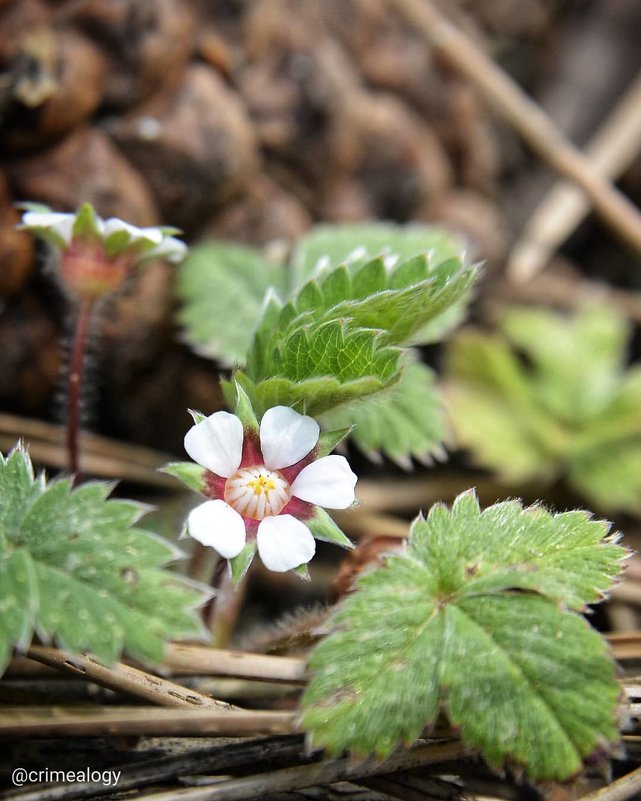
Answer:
(75, 568)
(356, 243)
(322, 366)
(549, 399)
(473, 618)
(404, 421)
(223, 288)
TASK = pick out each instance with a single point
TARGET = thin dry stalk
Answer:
(125, 679)
(628, 786)
(523, 114)
(324, 773)
(611, 150)
(33, 721)
(199, 660)
(100, 456)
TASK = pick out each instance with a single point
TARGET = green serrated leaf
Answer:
(319, 367)
(323, 527)
(399, 301)
(467, 619)
(192, 475)
(83, 573)
(402, 422)
(328, 246)
(240, 564)
(18, 602)
(223, 288)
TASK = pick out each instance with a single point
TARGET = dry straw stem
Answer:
(322, 773)
(192, 761)
(612, 149)
(60, 721)
(199, 660)
(126, 679)
(523, 114)
(565, 291)
(628, 786)
(100, 456)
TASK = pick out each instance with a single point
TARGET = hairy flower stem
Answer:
(76, 374)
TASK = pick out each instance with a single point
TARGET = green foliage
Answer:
(405, 421)
(356, 243)
(223, 288)
(477, 617)
(75, 569)
(568, 410)
(320, 367)
(330, 328)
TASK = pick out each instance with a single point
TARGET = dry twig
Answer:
(326, 772)
(58, 721)
(125, 679)
(524, 115)
(611, 150)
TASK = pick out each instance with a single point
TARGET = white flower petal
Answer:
(114, 224)
(217, 443)
(60, 222)
(171, 249)
(216, 524)
(284, 543)
(286, 436)
(327, 482)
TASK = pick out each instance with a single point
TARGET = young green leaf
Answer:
(75, 568)
(319, 367)
(223, 288)
(473, 617)
(404, 421)
(568, 410)
(356, 243)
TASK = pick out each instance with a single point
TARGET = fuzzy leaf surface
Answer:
(355, 243)
(568, 410)
(474, 618)
(318, 367)
(403, 422)
(82, 573)
(223, 288)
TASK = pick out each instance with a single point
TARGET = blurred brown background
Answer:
(251, 120)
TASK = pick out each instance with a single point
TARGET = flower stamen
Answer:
(257, 492)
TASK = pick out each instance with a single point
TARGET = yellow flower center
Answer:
(257, 492)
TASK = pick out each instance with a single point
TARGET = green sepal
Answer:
(244, 409)
(240, 564)
(86, 224)
(116, 242)
(324, 528)
(302, 571)
(228, 388)
(330, 440)
(40, 208)
(191, 474)
(197, 416)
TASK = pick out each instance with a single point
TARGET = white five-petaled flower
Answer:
(156, 244)
(264, 484)
(96, 255)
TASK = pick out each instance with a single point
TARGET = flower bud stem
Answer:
(76, 374)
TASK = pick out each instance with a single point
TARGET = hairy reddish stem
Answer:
(76, 374)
